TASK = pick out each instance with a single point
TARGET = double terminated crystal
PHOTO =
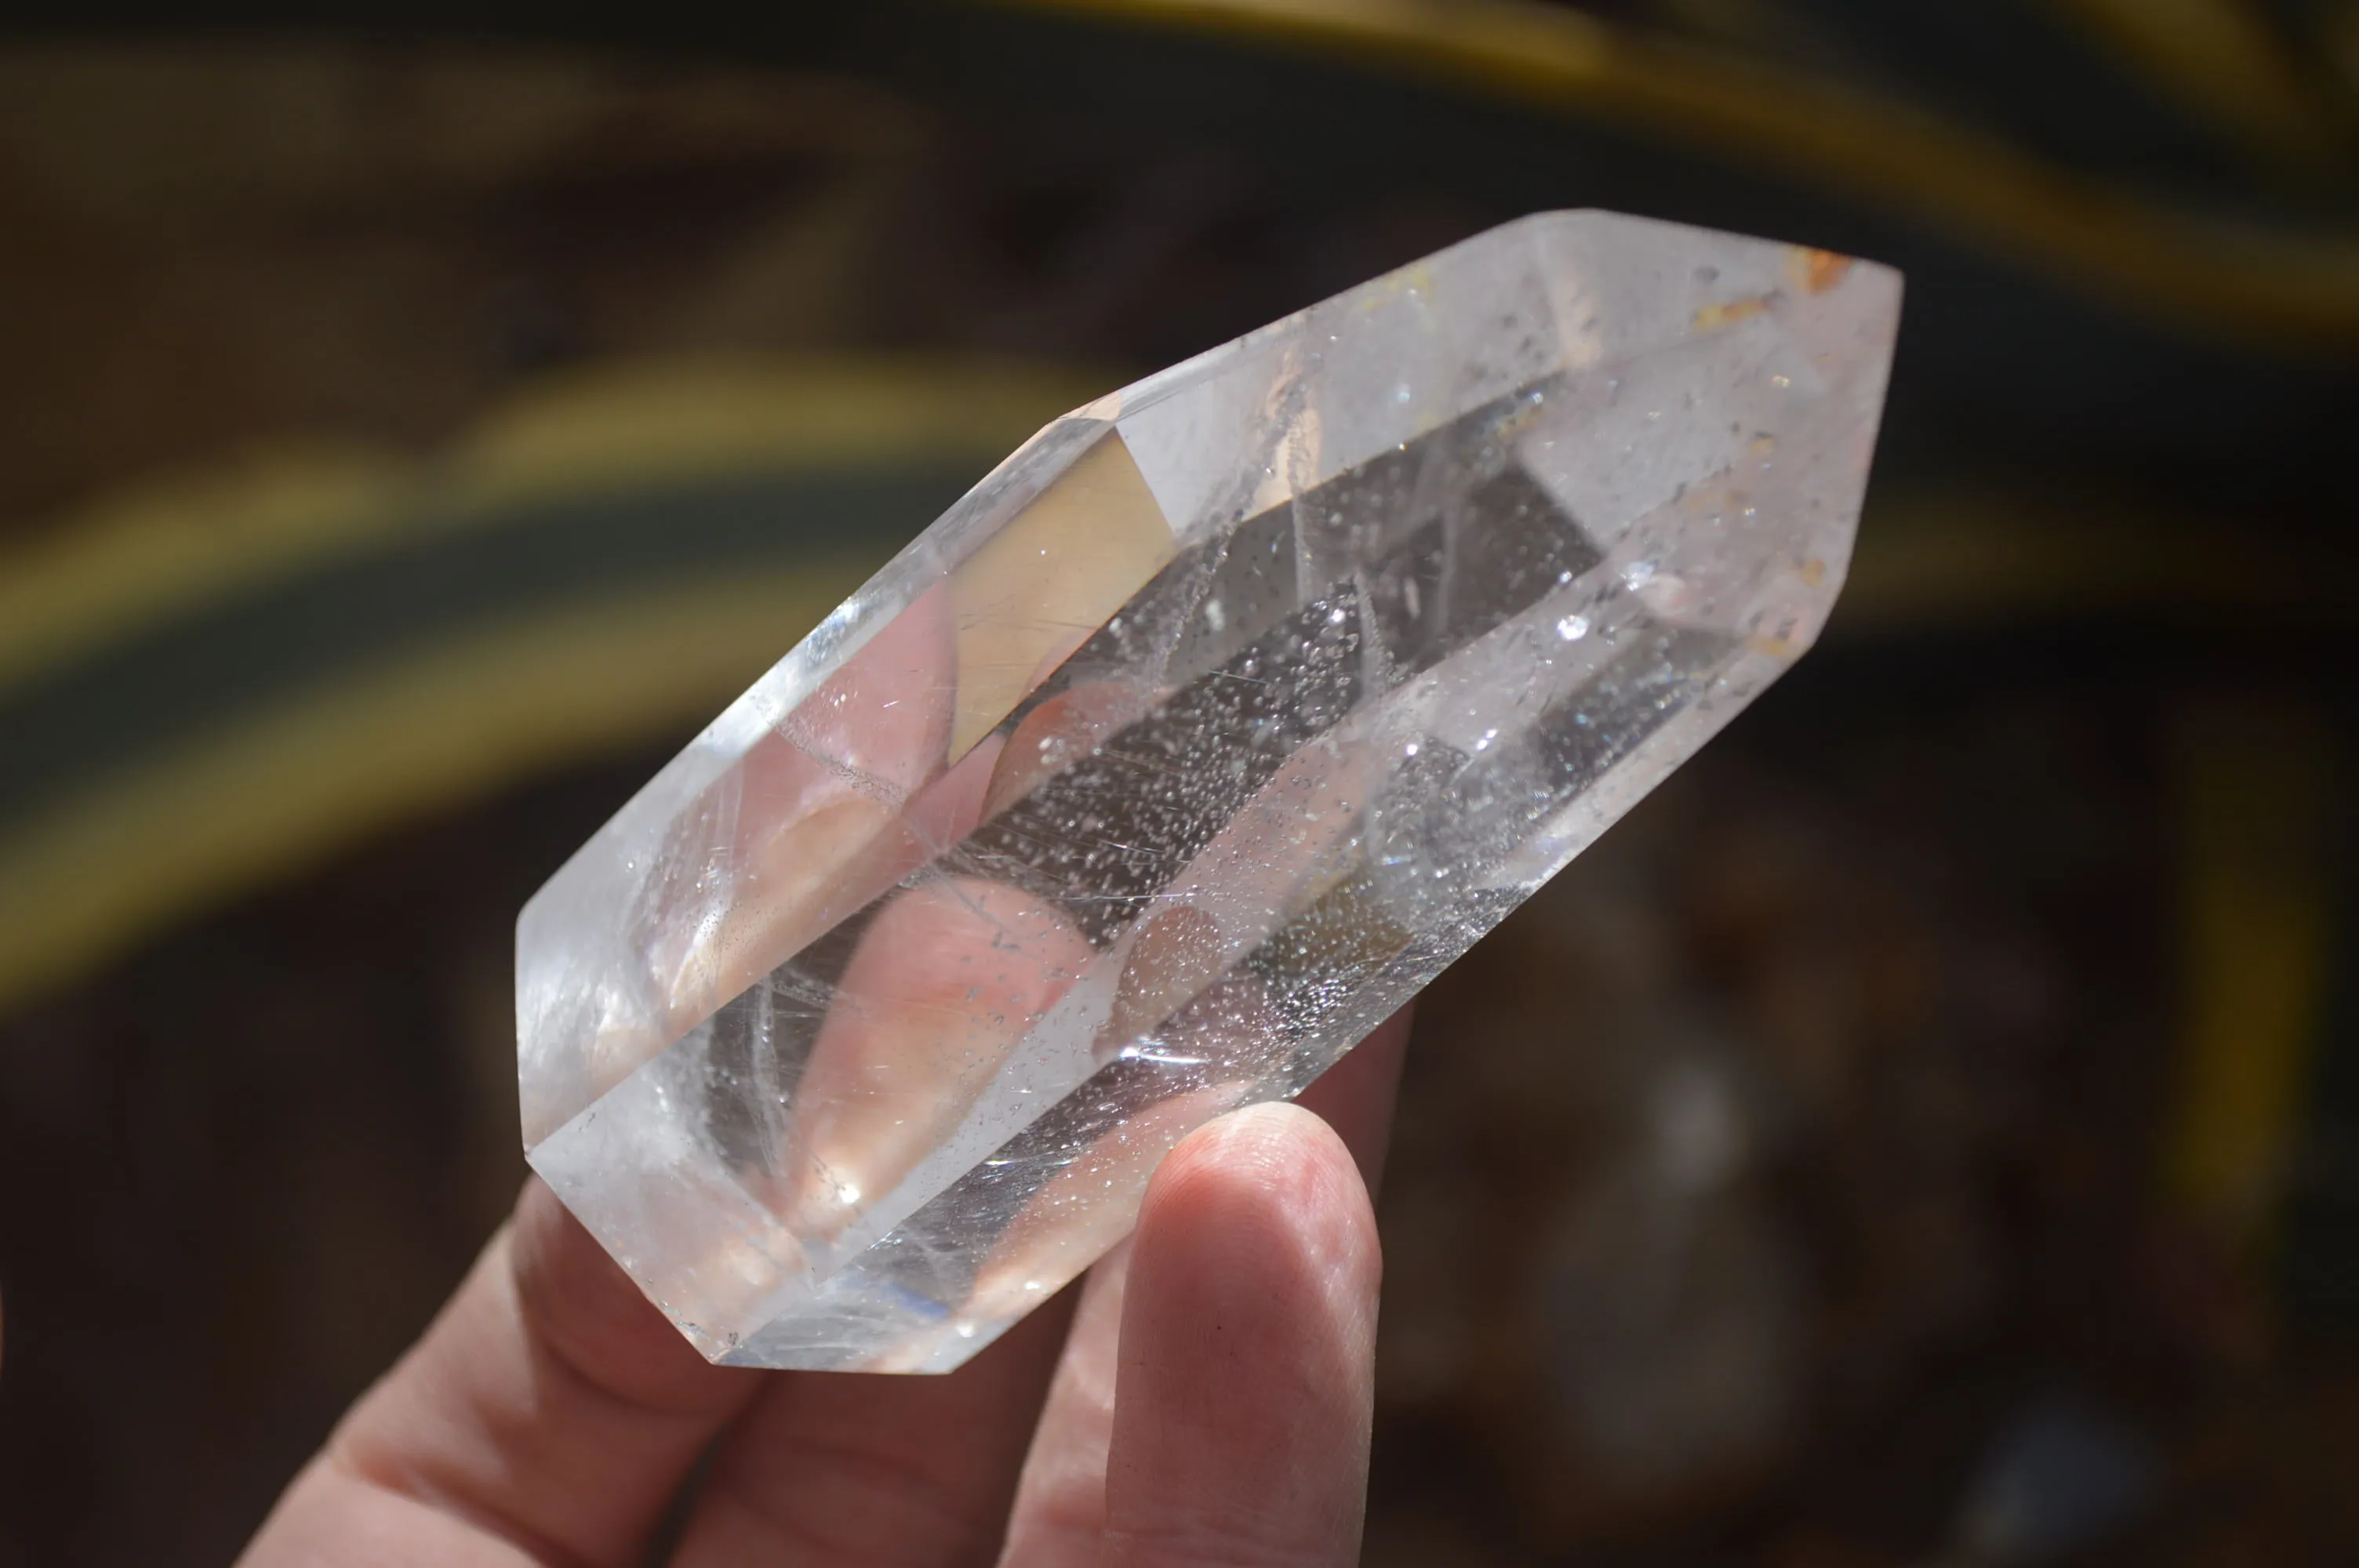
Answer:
(1186, 747)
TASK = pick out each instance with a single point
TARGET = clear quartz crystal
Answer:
(1182, 750)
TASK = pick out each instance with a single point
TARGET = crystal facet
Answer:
(1182, 750)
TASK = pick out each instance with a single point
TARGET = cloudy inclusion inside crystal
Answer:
(1200, 735)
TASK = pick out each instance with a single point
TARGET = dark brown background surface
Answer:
(1941, 1092)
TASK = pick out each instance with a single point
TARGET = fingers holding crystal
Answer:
(1355, 1097)
(945, 983)
(1057, 569)
(1298, 665)
(1078, 1212)
(1061, 1507)
(1060, 732)
(880, 1470)
(807, 818)
(548, 1410)
(1179, 1028)
(1248, 1365)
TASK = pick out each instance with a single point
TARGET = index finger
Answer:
(548, 1414)
(1247, 1368)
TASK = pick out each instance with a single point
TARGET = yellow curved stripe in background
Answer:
(176, 543)
(2224, 60)
(294, 783)
(2298, 290)
(2259, 785)
(289, 786)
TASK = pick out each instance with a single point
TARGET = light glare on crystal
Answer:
(1192, 742)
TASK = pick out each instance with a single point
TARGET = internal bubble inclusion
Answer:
(1177, 755)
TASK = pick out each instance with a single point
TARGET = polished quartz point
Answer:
(1201, 733)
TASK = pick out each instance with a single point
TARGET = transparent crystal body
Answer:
(1181, 751)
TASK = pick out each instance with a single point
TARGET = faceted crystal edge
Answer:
(603, 874)
(935, 1343)
(794, 1328)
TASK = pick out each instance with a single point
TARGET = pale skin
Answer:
(1204, 1399)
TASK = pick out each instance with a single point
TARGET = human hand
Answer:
(1204, 1399)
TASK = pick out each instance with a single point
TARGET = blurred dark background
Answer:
(1925, 1133)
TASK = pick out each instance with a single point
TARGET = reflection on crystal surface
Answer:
(1189, 745)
